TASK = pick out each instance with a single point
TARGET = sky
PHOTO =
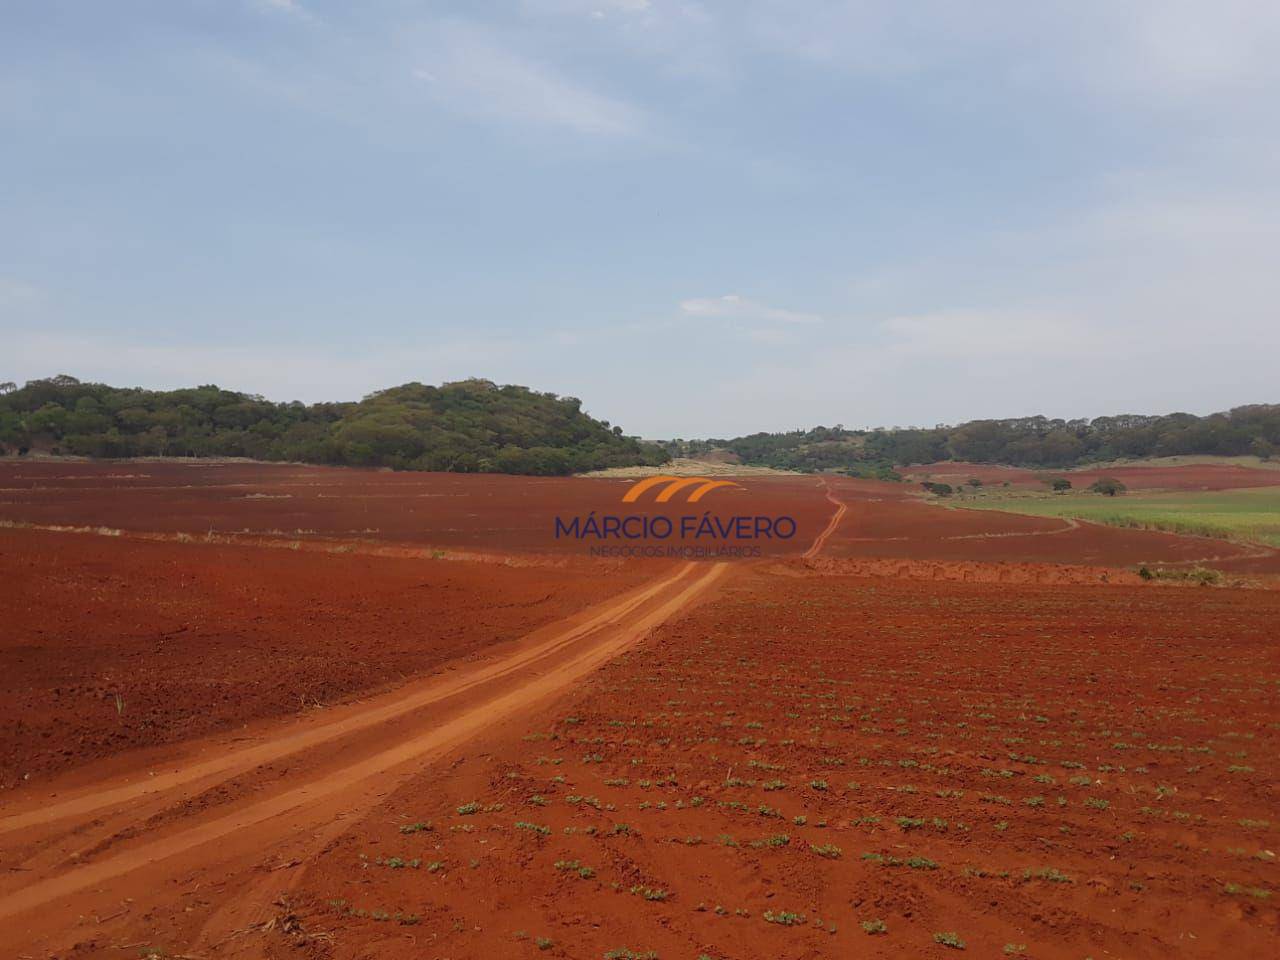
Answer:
(701, 218)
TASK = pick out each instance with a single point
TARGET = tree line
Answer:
(1038, 442)
(467, 426)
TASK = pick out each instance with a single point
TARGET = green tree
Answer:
(1107, 486)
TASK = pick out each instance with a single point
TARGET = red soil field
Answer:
(504, 516)
(477, 512)
(367, 714)
(193, 638)
(884, 520)
(1083, 771)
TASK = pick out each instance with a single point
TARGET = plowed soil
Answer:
(292, 712)
(1075, 771)
(467, 512)
(196, 638)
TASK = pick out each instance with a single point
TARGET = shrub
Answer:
(1107, 486)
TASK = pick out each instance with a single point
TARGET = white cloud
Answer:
(733, 306)
(1147, 52)
(291, 7)
(466, 69)
(1182, 49)
(592, 8)
(957, 334)
(15, 293)
(1152, 301)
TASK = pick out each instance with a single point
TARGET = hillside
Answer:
(1026, 441)
(469, 426)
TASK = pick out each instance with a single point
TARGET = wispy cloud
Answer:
(1173, 50)
(596, 9)
(468, 69)
(291, 7)
(733, 306)
(15, 293)
(1180, 49)
(959, 334)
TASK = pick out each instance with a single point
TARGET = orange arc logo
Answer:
(674, 485)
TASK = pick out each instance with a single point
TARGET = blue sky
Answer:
(701, 218)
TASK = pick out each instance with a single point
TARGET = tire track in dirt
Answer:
(821, 539)
(1068, 524)
(379, 711)
(520, 682)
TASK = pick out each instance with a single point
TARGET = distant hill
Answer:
(1037, 442)
(468, 426)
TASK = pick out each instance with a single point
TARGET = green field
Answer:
(1251, 514)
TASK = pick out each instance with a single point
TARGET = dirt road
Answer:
(820, 540)
(84, 861)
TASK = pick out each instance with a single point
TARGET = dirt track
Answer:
(75, 856)
(821, 539)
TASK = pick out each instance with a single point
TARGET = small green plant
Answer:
(1258, 893)
(873, 927)
(651, 893)
(783, 918)
(574, 866)
(951, 940)
(1051, 874)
